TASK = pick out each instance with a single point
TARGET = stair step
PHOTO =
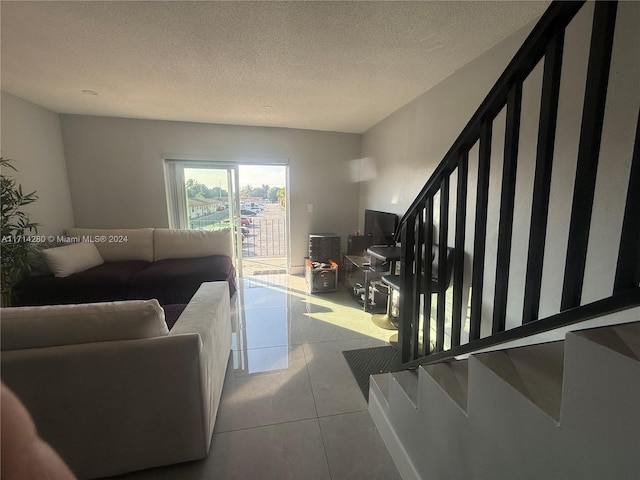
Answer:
(453, 378)
(536, 371)
(601, 398)
(624, 339)
(408, 382)
(379, 386)
(574, 402)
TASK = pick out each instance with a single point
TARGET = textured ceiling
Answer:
(337, 66)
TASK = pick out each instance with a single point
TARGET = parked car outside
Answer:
(253, 206)
(248, 213)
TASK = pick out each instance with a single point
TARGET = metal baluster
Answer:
(480, 234)
(595, 98)
(458, 264)
(542, 179)
(507, 198)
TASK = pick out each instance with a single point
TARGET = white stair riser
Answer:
(503, 434)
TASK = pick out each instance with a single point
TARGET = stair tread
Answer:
(453, 378)
(408, 381)
(536, 371)
(624, 339)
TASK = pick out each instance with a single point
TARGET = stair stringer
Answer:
(403, 413)
(504, 435)
(379, 408)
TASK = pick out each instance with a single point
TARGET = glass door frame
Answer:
(175, 188)
(171, 161)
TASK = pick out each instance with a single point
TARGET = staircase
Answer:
(561, 410)
(541, 381)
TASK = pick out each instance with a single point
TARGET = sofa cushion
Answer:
(54, 325)
(73, 258)
(173, 243)
(104, 283)
(118, 244)
(35, 259)
(176, 280)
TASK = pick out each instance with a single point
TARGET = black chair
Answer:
(392, 281)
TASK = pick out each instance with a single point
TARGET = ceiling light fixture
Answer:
(267, 107)
(90, 92)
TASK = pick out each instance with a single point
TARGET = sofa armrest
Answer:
(113, 407)
(208, 315)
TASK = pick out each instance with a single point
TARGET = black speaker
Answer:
(321, 277)
(324, 247)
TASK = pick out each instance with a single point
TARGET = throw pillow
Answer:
(36, 260)
(70, 259)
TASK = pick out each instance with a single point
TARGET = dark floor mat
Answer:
(371, 361)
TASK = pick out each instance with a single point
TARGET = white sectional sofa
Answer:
(110, 388)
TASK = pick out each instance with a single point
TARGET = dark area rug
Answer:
(371, 361)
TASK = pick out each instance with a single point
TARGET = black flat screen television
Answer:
(380, 227)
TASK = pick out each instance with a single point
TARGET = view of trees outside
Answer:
(271, 194)
(195, 189)
(200, 191)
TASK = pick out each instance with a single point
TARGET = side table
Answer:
(358, 277)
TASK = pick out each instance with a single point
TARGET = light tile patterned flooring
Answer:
(290, 408)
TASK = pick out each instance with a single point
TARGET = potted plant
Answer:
(16, 231)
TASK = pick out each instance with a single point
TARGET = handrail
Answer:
(609, 305)
(415, 230)
(559, 14)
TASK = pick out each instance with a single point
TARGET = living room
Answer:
(97, 168)
(93, 169)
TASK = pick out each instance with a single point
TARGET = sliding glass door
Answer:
(251, 198)
(205, 196)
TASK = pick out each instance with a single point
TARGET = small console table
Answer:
(359, 277)
(387, 257)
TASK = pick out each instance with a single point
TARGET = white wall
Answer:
(116, 171)
(32, 137)
(410, 143)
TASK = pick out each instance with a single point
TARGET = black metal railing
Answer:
(265, 237)
(416, 229)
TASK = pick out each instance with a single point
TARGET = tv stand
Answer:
(361, 279)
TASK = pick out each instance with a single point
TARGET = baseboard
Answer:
(296, 270)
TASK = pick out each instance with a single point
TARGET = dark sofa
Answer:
(168, 265)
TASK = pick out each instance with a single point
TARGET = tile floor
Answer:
(290, 408)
